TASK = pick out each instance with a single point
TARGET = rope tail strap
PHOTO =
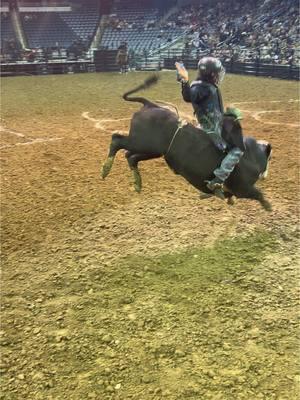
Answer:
(181, 124)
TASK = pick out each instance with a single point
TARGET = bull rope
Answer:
(181, 124)
(167, 104)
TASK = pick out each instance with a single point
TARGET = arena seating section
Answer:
(138, 40)
(227, 29)
(7, 31)
(82, 22)
(139, 28)
(49, 28)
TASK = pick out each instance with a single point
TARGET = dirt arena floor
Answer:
(109, 294)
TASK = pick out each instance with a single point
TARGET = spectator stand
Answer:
(10, 48)
(139, 26)
(232, 30)
(83, 21)
(228, 30)
(61, 32)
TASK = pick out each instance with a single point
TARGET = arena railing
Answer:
(255, 68)
(142, 62)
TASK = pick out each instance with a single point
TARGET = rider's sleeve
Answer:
(198, 93)
(194, 93)
(186, 91)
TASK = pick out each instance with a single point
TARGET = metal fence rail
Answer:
(45, 68)
(257, 68)
(165, 60)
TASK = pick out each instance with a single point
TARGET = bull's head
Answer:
(267, 150)
(232, 131)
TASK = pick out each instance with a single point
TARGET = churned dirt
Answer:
(109, 294)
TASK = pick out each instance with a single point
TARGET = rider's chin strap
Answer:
(181, 124)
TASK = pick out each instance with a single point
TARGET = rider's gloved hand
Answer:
(182, 74)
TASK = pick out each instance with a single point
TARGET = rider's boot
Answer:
(204, 196)
(216, 186)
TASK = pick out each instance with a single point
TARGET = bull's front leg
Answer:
(118, 142)
(256, 194)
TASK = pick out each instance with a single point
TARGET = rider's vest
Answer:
(208, 106)
(207, 103)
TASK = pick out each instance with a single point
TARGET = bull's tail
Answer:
(152, 80)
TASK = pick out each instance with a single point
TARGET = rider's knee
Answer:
(236, 152)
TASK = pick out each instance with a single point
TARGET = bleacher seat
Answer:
(138, 39)
(47, 30)
(7, 31)
(83, 22)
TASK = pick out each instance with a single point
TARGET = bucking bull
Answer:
(156, 131)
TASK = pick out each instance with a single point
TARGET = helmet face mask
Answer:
(211, 70)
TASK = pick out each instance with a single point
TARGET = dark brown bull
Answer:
(157, 132)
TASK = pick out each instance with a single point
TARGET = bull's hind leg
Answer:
(133, 160)
(118, 142)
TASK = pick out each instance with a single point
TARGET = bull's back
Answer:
(152, 129)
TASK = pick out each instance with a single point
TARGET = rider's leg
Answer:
(223, 172)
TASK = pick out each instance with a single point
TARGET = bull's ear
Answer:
(232, 132)
(231, 127)
(228, 125)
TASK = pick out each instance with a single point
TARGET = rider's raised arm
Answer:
(186, 91)
(195, 93)
(199, 92)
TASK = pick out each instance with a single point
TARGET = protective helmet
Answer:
(211, 70)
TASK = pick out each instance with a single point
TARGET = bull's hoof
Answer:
(230, 201)
(137, 188)
(137, 181)
(266, 205)
(107, 167)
